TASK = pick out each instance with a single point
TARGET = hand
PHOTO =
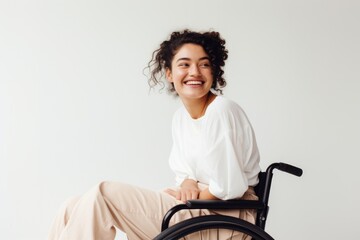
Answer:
(207, 195)
(188, 190)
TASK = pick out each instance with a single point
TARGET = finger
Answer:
(183, 196)
(195, 195)
(178, 195)
(189, 196)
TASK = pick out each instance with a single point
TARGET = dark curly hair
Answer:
(213, 45)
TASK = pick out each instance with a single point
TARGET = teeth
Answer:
(193, 82)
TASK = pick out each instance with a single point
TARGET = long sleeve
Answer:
(227, 165)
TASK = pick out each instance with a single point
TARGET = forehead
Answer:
(191, 51)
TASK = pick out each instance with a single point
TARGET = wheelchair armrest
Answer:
(211, 204)
(222, 204)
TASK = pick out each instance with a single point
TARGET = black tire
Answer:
(184, 228)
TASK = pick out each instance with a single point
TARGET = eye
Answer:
(205, 65)
(183, 64)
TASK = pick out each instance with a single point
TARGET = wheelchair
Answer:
(218, 223)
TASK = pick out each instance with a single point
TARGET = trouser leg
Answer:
(136, 211)
(84, 218)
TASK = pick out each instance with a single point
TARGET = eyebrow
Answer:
(203, 58)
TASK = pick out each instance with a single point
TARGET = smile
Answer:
(194, 82)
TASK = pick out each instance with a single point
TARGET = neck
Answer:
(197, 107)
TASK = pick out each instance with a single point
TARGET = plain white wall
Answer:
(75, 108)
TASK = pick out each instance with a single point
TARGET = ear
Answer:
(168, 75)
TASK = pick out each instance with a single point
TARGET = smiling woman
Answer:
(214, 153)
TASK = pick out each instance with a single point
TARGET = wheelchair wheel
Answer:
(212, 227)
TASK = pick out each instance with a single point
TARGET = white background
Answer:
(75, 107)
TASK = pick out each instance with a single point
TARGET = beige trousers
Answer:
(136, 211)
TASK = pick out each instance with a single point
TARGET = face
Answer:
(191, 72)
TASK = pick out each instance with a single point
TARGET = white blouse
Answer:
(218, 149)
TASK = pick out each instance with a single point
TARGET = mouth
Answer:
(194, 82)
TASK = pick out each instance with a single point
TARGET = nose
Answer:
(194, 71)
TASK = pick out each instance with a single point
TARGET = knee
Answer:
(107, 188)
(113, 190)
(104, 187)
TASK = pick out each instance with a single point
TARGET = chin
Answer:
(193, 95)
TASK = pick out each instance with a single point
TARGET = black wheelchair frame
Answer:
(256, 231)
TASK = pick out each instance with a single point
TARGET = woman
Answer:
(214, 154)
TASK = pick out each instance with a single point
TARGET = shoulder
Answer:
(223, 106)
(227, 113)
(225, 103)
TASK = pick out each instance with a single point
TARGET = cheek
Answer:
(178, 75)
(208, 72)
